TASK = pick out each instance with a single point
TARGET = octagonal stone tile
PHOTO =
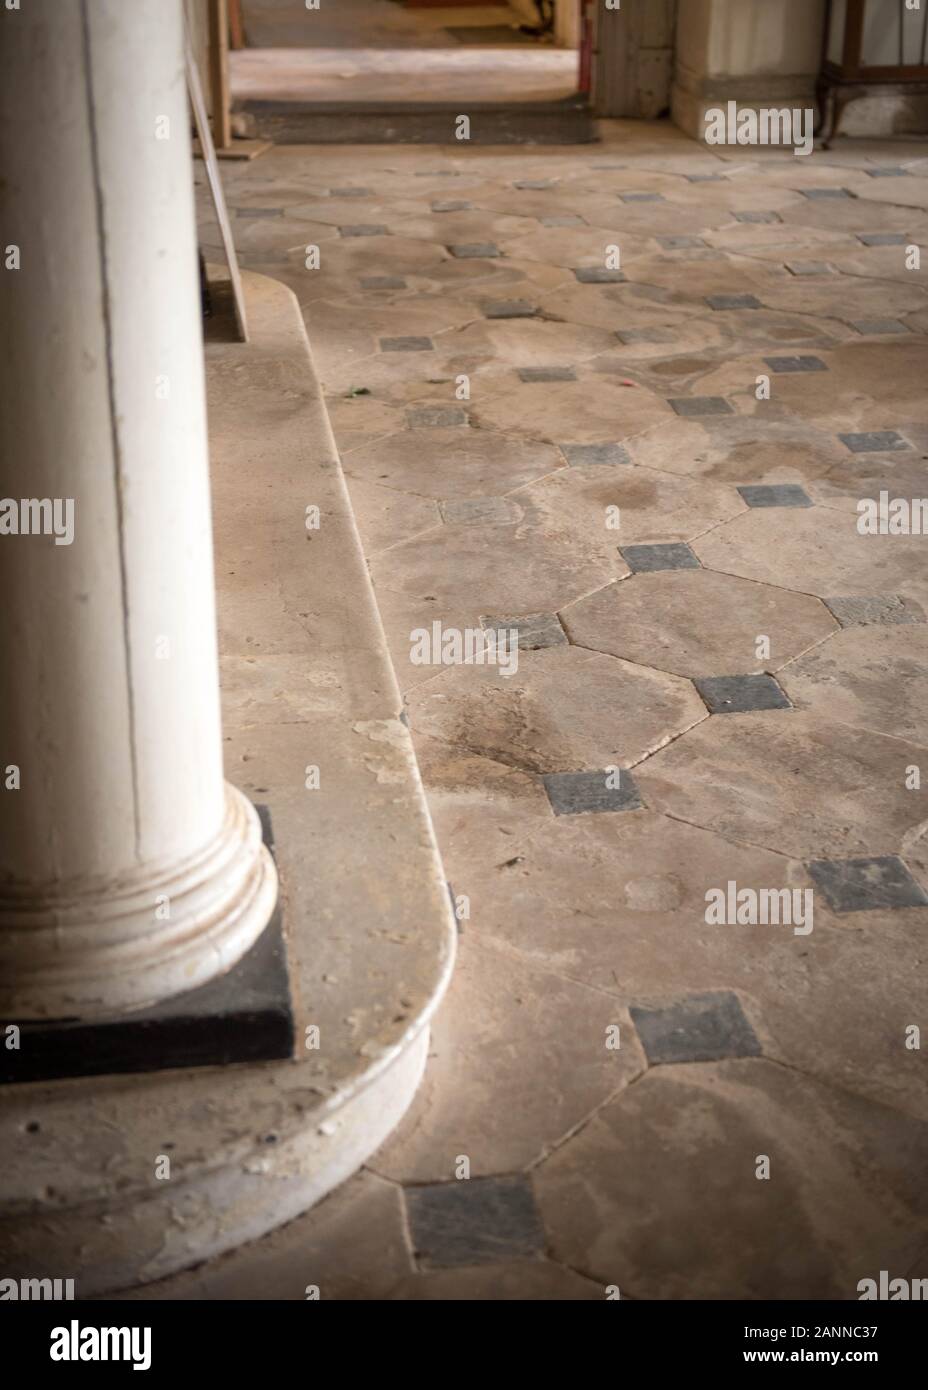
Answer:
(532, 342)
(738, 449)
(517, 1059)
(588, 411)
(658, 1194)
(871, 677)
(652, 506)
(698, 623)
(385, 516)
(816, 550)
(453, 463)
(499, 569)
(611, 899)
(791, 781)
(565, 710)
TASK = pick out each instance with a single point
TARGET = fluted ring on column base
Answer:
(104, 949)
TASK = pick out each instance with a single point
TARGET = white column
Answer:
(129, 871)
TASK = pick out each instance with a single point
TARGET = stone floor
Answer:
(644, 1098)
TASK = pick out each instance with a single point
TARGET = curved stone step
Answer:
(307, 682)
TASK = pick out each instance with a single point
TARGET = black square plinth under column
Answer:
(244, 1016)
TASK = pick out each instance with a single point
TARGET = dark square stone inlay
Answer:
(702, 1028)
(583, 455)
(864, 610)
(882, 238)
(741, 694)
(757, 216)
(642, 197)
(863, 885)
(536, 630)
(599, 275)
(364, 229)
(350, 193)
(823, 193)
(245, 1015)
(874, 441)
(894, 171)
(474, 250)
(733, 301)
(405, 345)
(583, 793)
(510, 309)
(452, 205)
(435, 417)
(646, 559)
(799, 363)
(879, 328)
(473, 1222)
(775, 495)
(701, 405)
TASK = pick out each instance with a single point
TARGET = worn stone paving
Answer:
(720, 681)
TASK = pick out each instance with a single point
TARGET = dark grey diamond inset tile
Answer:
(644, 335)
(774, 495)
(599, 275)
(894, 171)
(810, 268)
(350, 193)
(865, 610)
(700, 1028)
(452, 205)
(874, 441)
(364, 229)
(567, 219)
(582, 455)
(438, 174)
(670, 555)
(382, 282)
(535, 184)
(474, 250)
(547, 374)
(733, 301)
(481, 511)
(800, 363)
(701, 405)
(510, 309)
(879, 328)
(435, 417)
(405, 345)
(822, 193)
(761, 217)
(863, 885)
(258, 212)
(680, 243)
(536, 630)
(642, 197)
(587, 793)
(741, 694)
(882, 238)
(480, 1221)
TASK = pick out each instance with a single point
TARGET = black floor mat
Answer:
(496, 37)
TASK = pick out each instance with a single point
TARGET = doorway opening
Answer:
(396, 70)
